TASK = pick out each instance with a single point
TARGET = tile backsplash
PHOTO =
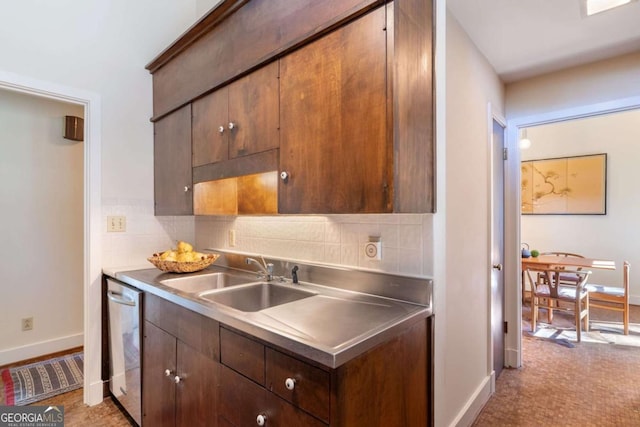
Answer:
(144, 235)
(406, 239)
(336, 239)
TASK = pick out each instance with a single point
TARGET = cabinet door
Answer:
(196, 393)
(210, 128)
(172, 164)
(253, 110)
(158, 390)
(333, 144)
(242, 401)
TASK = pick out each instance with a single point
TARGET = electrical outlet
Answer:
(373, 249)
(27, 323)
(232, 238)
(116, 224)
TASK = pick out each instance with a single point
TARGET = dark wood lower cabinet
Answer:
(197, 373)
(188, 401)
(159, 392)
(242, 401)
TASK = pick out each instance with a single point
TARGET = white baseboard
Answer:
(474, 405)
(511, 358)
(42, 348)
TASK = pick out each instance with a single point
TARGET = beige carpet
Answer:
(581, 385)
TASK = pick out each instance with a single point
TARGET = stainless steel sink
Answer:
(256, 297)
(206, 282)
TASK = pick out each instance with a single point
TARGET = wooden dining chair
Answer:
(566, 278)
(550, 293)
(613, 297)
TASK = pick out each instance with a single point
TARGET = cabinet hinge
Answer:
(506, 327)
(504, 153)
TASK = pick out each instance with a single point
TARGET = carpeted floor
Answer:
(588, 384)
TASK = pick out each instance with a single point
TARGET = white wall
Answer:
(41, 197)
(99, 49)
(598, 82)
(614, 235)
(471, 85)
(103, 47)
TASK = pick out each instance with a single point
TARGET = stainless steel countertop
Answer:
(331, 327)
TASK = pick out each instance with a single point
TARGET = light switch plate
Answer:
(116, 224)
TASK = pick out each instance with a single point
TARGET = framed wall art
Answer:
(565, 186)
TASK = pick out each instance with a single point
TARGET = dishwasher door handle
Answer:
(115, 298)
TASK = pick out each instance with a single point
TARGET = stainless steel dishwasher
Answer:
(124, 346)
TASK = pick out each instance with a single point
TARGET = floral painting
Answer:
(566, 185)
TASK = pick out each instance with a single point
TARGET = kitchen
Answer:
(116, 42)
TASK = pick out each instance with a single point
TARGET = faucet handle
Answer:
(270, 268)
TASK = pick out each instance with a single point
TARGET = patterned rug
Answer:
(22, 385)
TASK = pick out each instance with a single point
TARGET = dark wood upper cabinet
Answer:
(236, 37)
(172, 164)
(237, 120)
(336, 96)
(334, 146)
(210, 134)
(253, 112)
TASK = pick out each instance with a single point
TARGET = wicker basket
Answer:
(183, 267)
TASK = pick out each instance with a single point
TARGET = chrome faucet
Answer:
(266, 268)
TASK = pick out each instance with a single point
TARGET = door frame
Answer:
(92, 259)
(513, 270)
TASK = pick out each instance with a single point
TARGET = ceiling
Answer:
(524, 38)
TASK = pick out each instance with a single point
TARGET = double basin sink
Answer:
(238, 291)
(330, 320)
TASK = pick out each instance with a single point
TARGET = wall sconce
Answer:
(524, 141)
(74, 128)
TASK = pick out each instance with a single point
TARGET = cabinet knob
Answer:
(167, 372)
(261, 420)
(284, 175)
(231, 125)
(221, 129)
(186, 188)
(176, 379)
(290, 383)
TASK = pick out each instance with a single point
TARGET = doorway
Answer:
(92, 230)
(41, 194)
(513, 298)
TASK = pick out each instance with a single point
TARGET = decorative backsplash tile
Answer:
(144, 235)
(336, 239)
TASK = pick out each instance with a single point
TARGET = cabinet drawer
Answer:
(194, 329)
(242, 401)
(242, 354)
(304, 385)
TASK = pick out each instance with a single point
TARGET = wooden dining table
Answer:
(547, 261)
